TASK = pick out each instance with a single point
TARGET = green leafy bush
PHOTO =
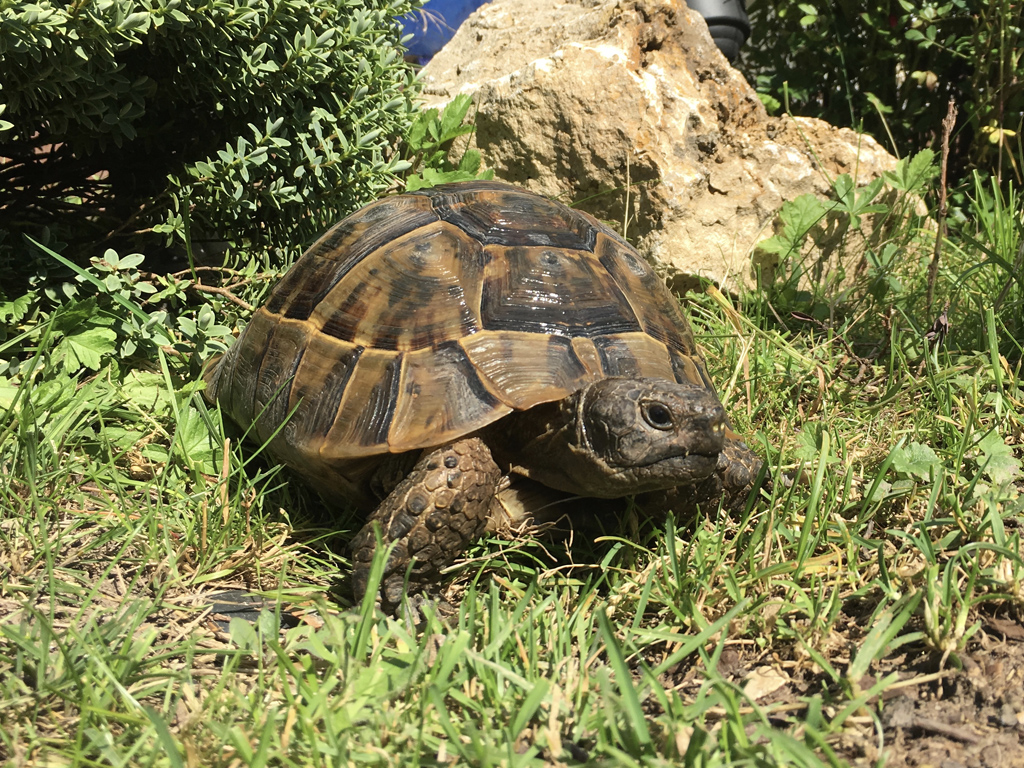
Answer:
(891, 68)
(246, 121)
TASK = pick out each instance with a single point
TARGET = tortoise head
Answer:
(627, 436)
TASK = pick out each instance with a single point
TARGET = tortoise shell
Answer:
(426, 316)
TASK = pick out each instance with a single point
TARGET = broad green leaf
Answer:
(912, 173)
(998, 461)
(809, 444)
(7, 394)
(798, 217)
(916, 459)
(243, 634)
(86, 349)
(53, 394)
(147, 391)
(14, 310)
(194, 443)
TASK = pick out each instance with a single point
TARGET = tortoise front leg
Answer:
(431, 516)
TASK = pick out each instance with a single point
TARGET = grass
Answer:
(775, 638)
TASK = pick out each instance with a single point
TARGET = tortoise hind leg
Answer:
(430, 516)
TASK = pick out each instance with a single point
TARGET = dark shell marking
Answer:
(426, 316)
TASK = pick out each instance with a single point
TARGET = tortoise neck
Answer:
(544, 443)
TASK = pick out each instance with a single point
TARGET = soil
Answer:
(966, 717)
(974, 717)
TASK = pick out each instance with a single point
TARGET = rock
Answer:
(1008, 717)
(628, 110)
(764, 681)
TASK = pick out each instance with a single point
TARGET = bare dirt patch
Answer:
(973, 717)
(969, 717)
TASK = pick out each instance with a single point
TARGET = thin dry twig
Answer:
(223, 292)
(940, 231)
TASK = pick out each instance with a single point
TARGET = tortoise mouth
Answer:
(698, 464)
(671, 471)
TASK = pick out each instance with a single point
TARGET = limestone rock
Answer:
(576, 98)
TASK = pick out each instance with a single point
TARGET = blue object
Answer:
(434, 24)
(727, 21)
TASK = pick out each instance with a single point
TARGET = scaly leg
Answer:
(431, 516)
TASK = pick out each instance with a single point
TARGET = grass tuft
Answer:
(882, 559)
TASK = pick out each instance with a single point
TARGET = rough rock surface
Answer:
(575, 98)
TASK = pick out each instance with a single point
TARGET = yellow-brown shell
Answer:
(425, 316)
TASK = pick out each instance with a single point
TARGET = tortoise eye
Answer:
(657, 415)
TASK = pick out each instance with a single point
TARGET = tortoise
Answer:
(437, 342)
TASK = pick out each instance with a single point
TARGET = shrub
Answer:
(253, 122)
(891, 67)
